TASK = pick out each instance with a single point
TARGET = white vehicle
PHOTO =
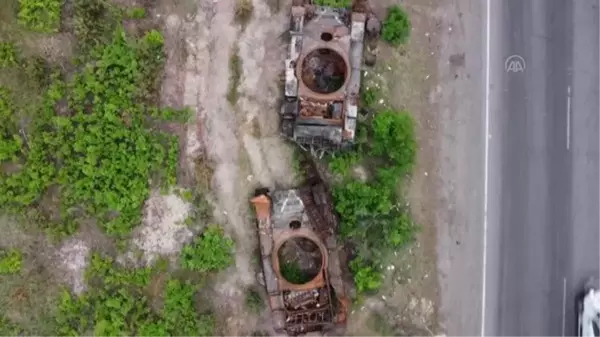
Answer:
(588, 316)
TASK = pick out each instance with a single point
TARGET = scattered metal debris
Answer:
(303, 220)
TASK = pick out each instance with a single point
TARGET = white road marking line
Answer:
(486, 162)
(564, 304)
(568, 116)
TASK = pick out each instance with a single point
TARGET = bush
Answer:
(102, 153)
(334, 3)
(116, 304)
(394, 139)
(342, 163)
(367, 278)
(211, 251)
(40, 15)
(93, 23)
(372, 219)
(9, 328)
(8, 54)
(253, 301)
(11, 261)
(396, 26)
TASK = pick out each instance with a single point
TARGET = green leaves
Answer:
(40, 15)
(211, 251)
(334, 3)
(102, 153)
(117, 304)
(11, 261)
(394, 139)
(372, 217)
(8, 54)
(396, 26)
(366, 277)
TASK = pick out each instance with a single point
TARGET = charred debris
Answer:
(302, 262)
(323, 73)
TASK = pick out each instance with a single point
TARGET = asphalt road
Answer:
(543, 226)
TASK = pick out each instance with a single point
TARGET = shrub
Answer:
(253, 301)
(179, 314)
(10, 142)
(40, 15)
(342, 163)
(9, 328)
(367, 278)
(211, 251)
(396, 26)
(11, 261)
(136, 13)
(334, 3)
(368, 97)
(93, 23)
(394, 139)
(8, 54)
(116, 304)
(101, 154)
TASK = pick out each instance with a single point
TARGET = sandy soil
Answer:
(244, 157)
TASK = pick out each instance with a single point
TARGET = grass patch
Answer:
(396, 26)
(135, 13)
(11, 261)
(235, 76)
(40, 15)
(253, 301)
(211, 251)
(8, 54)
(117, 303)
(334, 3)
(90, 138)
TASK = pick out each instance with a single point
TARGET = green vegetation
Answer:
(8, 328)
(366, 277)
(394, 140)
(8, 54)
(136, 13)
(11, 261)
(396, 26)
(253, 301)
(334, 3)
(368, 97)
(82, 141)
(117, 304)
(211, 251)
(40, 15)
(235, 76)
(374, 219)
(292, 272)
(100, 151)
(342, 163)
(94, 22)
